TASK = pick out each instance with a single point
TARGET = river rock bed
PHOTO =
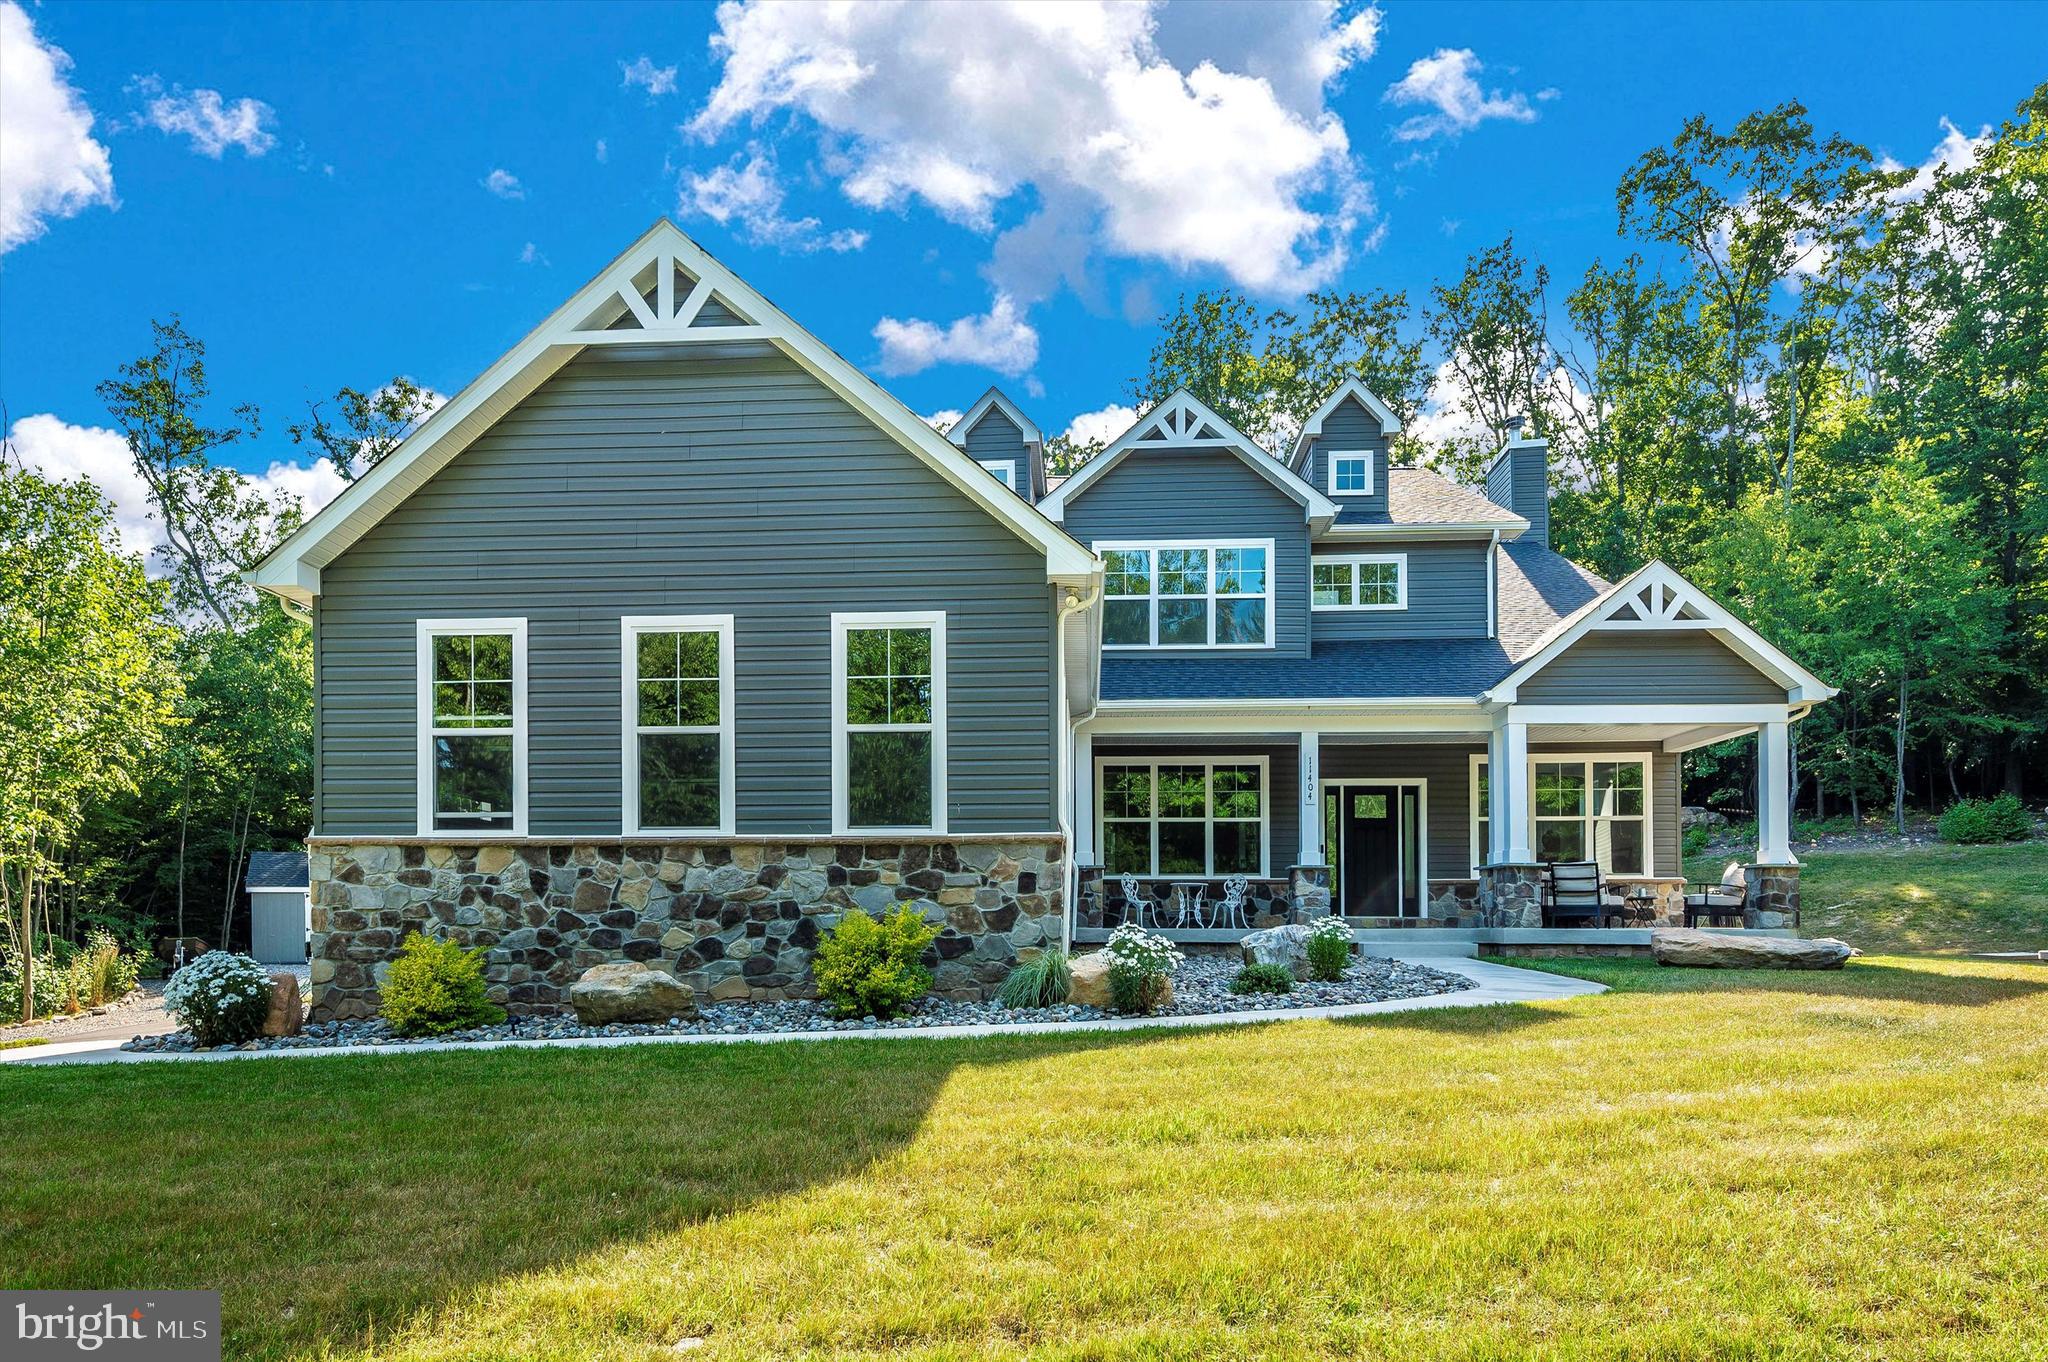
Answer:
(1201, 988)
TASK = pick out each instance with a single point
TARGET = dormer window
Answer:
(1351, 472)
(1004, 470)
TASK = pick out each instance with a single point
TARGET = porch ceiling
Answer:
(1668, 737)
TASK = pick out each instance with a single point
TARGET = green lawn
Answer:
(1929, 898)
(1695, 1166)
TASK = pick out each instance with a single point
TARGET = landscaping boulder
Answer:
(1088, 983)
(630, 992)
(1724, 950)
(1284, 946)
(1692, 816)
(287, 1013)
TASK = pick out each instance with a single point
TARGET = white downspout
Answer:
(1063, 807)
(1493, 587)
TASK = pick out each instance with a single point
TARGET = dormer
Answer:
(1343, 451)
(1005, 442)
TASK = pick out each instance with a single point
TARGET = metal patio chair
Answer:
(1230, 908)
(1137, 908)
(1573, 891)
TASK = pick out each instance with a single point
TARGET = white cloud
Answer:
(1956, 151)
(209, 121)
(1198, 138)
(943, 421)
(604, 153)
(656, 80)
(310, 486)
(1448, 81)
(1000, 339)
(1102, 425)
(530, 254)
(504, 184)
(55, 169)
(747, 191)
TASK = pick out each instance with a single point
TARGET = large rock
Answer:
(1285, 946)
(1724, 950)
(1693, 816)
(287, 1013)
(630, 992)
(1088, 983)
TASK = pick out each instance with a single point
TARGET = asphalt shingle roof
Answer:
(1417, 496)
(276, 870)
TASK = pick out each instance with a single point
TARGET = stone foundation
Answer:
(1667, 895)
(1511, 896)
(1267, 902)
(734, 920)
(1453, 903)
(1770, 896)
(1309, 887)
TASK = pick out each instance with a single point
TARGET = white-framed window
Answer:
(1005, 471)
(676, 697)
(1200, 816)
(1187, 593)
(1582, 807)
(471, 718)
(1350, 472)
(1359, 581)
(889, 722)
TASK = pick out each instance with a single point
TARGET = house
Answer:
(673, 636)
(280, 914)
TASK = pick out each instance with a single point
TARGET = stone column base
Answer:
(1511, 895)
(1770, 896)
(1308, 890)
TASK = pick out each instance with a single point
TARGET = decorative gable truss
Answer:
(1182, 421)
(1656, 598)
(663, 300)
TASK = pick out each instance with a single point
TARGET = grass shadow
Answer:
(1476, 1019)
(1946, 982)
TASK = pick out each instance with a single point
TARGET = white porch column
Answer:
(1774, 795)
(1311, 849)
(1084, 800)
(1507, 812)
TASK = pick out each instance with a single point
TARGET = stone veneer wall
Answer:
(1771, 896)
(735, 920)
(1511, 896)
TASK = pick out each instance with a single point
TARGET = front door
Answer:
(1369, 830)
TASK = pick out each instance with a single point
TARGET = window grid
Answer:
(889, 722)
(1351, 474)
(471, 716)
(678, 691)
(1188, 595)
(1580, 808)
(1172, 806)
(1376, 581)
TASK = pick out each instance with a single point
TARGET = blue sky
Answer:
(949, 199)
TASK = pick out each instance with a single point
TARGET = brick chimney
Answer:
(1519, 479)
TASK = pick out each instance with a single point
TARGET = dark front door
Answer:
(1369, 844)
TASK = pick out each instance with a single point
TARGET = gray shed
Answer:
(280, 907)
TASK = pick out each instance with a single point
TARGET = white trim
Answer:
(1003, 470)
(1421, 786)
(425, 631)
(1209, 762)
(1530, 820)
(1182, 412)
(1662, 600)
(1102, 547)
(935, 621)
(291, 570)
(1331, 457)
(630, 629)
(1508, 527)
(1390, 424)
(997, 399)
(1645, 714)
(1356, 561)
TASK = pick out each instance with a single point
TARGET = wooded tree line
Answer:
(1812, 382)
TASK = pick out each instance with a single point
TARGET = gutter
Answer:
(1063, 806)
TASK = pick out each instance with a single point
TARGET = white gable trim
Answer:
(292, 571)
(1390, 424)
(1654, 598)
(1184, 421)
(994, 398)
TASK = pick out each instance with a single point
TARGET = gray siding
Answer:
(1520, 480)
(1446, 595)
(1348, 428)
(1204, 494)
(1643, 667)
(1283, 784)
(995, 438)
(638, 483)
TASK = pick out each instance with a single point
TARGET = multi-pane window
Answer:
(1187, 595)
(890, 737)
(1351, 474)
(472, 729)
(1359, 582)
(679, 750)
(1183, 818)
(1580, 809)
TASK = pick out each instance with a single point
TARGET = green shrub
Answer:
(101, 971)
(1696, 840)
(436, 987)
(1263, 979)
(220, 997)
(1139, 963)
(50, 987)
(1329, 948)
(2003, 819)
(868, 967)
(1041, 981)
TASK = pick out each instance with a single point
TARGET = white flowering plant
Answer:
(1329, 948)
(221, 998)
(1139, 962)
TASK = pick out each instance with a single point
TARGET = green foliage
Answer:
(221, 998)
(436, 987)
(1266, 978)
(51, 982)
(2003, 819)
(1696, 840)
(363, 428)
(1041, 981)
(1139, 963)
(870, 967)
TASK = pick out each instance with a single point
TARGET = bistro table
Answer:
(1188, 901)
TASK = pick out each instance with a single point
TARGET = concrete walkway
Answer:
(1496, 983)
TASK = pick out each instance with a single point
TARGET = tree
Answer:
(1492, 327)
(364, 427)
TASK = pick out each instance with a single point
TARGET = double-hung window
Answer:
(1361, 581)
(1187, 594)
(1183, 817)
(1593, 808)
(472, 726)
(1004, 471)
(889, 722)
(1350, 472)
(678, 702)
